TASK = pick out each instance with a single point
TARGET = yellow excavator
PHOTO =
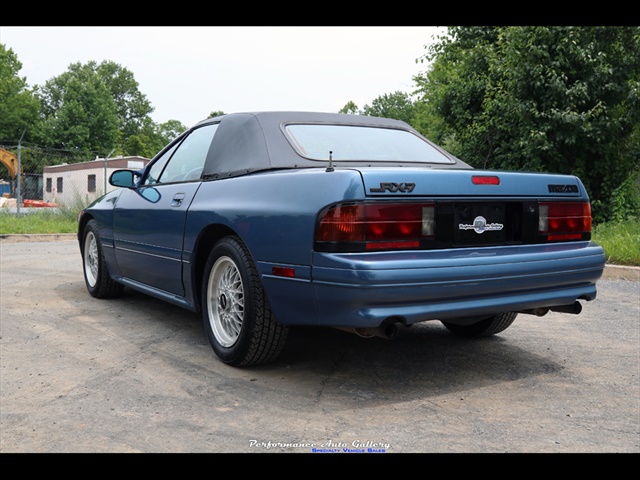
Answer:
(10, 161)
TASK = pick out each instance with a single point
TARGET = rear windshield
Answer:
(352, 142)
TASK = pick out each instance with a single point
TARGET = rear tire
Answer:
(484, 328)
(237, 317)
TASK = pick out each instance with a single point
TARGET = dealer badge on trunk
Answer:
(480, 225)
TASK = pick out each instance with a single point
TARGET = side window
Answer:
(187, 161)
(184, 161)
(158, 166)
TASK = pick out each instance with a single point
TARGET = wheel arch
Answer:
(208, 237)
(82, 225)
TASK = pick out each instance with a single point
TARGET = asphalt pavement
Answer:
(133, 374)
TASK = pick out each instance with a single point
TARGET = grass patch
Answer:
(620, 241)
(39, 221)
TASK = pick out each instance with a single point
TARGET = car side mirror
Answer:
(122, 178)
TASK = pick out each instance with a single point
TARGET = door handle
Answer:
(177, 199)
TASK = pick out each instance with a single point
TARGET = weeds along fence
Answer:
(35, 177)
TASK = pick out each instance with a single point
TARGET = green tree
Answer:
(350, 108)
(97, 107)
(397, 105)
(559, 99)
(132, 106)
(79, 113)
(19, 106)
(150, 140)
(170, 130)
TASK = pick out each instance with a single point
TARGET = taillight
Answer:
(485, 180)
(564, 221)
(375, 226)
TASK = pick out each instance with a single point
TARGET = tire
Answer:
(96, 276)
(237, 317)
(484, 328)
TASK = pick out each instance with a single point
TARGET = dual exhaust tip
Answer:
(575, 308)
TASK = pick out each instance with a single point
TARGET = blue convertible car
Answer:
(271, 219)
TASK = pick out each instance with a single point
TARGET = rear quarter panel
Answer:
(274, 213)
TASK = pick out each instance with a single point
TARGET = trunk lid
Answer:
(437, 183)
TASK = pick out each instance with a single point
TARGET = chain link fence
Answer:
(32, 177)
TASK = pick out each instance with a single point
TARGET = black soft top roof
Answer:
(249, 142)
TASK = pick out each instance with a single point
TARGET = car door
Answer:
(149, 220)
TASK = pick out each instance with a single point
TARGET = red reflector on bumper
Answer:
(561, 238)
(391, 245)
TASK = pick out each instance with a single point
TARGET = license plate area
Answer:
(484, 223)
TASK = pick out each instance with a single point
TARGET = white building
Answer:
(81, 183)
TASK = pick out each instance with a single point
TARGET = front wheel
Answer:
(484, 328)
(96, 276)
(237, 317)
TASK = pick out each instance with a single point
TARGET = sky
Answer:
(188, 72)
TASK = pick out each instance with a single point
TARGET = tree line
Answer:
(561, 99)
(90, 110)
(537, 98)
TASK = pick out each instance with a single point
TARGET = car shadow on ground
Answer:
(423, 360)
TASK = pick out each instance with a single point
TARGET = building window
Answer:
(59, 181)
(49, 182)
(91, 183)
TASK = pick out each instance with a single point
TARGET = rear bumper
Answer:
(365, 290)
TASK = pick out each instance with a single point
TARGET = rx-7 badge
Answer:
(394, 187)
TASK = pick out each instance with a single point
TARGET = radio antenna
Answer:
(330, 168)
